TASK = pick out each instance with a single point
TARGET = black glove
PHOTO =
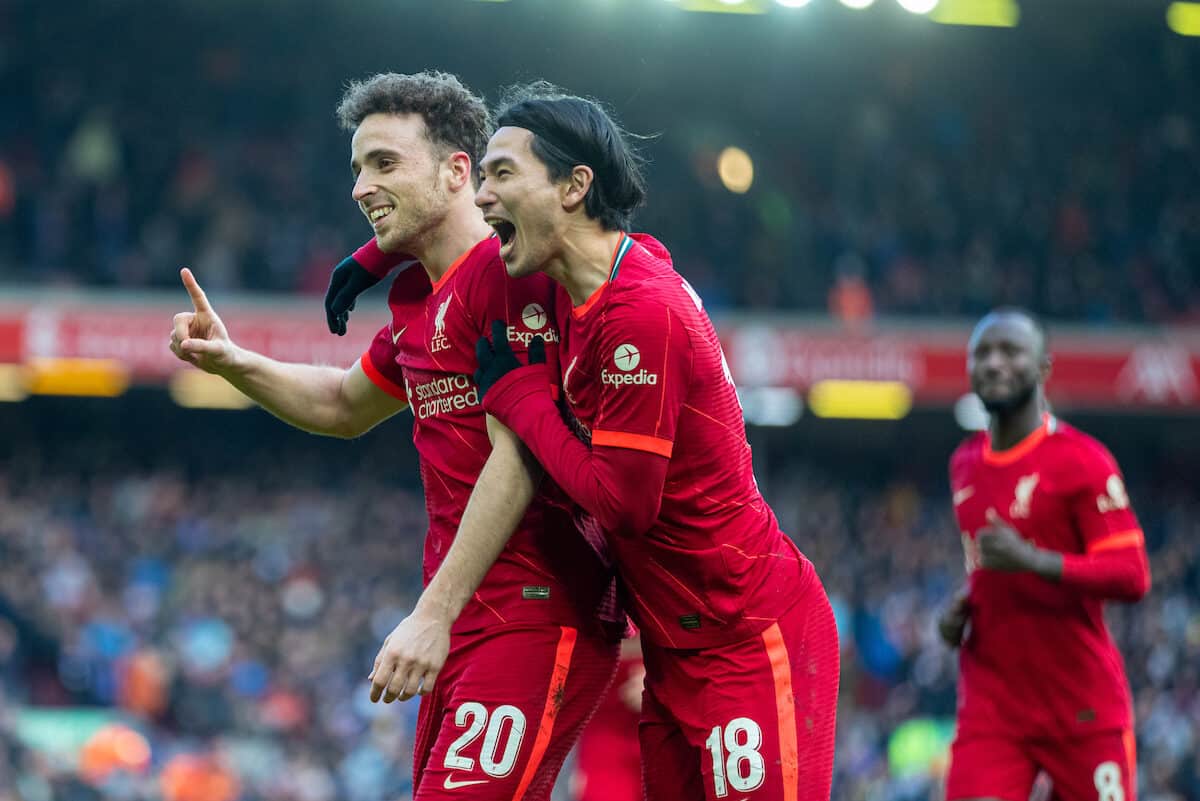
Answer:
(349, 280)
(496, 358)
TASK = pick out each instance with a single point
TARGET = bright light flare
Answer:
(858, 4)
(1184, 18)
(736, 170)
(918, 6)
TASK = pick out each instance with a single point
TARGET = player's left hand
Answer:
(348, 280)
(1001, 547)
(410, 659)
(496, 358)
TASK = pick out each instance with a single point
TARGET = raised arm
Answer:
(332, 401)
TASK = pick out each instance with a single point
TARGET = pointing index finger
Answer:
(199, 299)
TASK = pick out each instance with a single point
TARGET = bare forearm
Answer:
(306, 396)
(502, 493)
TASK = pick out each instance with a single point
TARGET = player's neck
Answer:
(584, 261)
(1008, 429)
(460, 231)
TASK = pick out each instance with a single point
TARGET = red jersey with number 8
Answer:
(1038, 660)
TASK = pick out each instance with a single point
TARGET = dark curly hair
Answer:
(569, 131)
(455, 118)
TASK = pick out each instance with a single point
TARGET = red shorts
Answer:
(505, 711)
(753, 720)
(1101, 767)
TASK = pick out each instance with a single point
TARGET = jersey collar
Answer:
(1022, 448)
(624, 245)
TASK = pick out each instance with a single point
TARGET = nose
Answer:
(484, 196)
(363, 187)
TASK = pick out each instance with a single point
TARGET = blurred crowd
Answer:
(909, 189)
(223, 597)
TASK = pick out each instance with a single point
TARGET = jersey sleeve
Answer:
(1100, 506)
(380, 365)
(645, 363)
(406, 298)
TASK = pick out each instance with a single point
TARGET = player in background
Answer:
(608, 761)
(507, 690)
(1049, 536)
(739, 641)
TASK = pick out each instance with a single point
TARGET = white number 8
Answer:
(744, 769)
(1107, 779)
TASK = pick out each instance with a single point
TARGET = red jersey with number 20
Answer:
(1038, 660)
(642, 368)
(547, 573)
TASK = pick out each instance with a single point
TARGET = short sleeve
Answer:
(645, 368)
(380, 365)
(1101, 507)
(406, 299)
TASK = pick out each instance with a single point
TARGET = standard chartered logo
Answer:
(441, 395)
(627, 357)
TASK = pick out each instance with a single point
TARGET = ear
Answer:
(576, 186)
(460, 171)
(1044, 369)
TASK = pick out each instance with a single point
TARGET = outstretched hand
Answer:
(199, 337)
(496, 358)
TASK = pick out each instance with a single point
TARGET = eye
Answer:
(385, 163)
(503, 171)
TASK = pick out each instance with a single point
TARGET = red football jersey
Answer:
(1038, 660)
(426, 355)
(642, 368)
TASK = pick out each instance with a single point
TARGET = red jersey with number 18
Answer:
(642, 368)
(547, 573)
(1038, 660)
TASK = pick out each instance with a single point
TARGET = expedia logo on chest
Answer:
(626, 358)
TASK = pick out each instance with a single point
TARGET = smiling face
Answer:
(521, 202)
(1006, 360)
(398, 179)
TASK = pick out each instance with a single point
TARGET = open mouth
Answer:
(378, 214)
(505, 230)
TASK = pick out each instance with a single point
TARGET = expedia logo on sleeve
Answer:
(535, 319)
(626, 358)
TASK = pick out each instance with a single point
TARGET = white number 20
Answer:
(475, 717)
(735, 758)
(1107, 779)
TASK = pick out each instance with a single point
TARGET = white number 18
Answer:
(735, 758)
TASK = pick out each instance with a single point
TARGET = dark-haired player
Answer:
(1049, 536)
(508, 687)
(740, 645)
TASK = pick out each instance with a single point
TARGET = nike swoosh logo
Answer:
(396, 336)
(450, 784)
(962, 495)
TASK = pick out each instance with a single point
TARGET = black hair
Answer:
(569, 131)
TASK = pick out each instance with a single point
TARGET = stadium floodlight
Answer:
(858, 4)
(736, 170)
(793, 3)
(918, 6)
(1184, 18)
(984, 13)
